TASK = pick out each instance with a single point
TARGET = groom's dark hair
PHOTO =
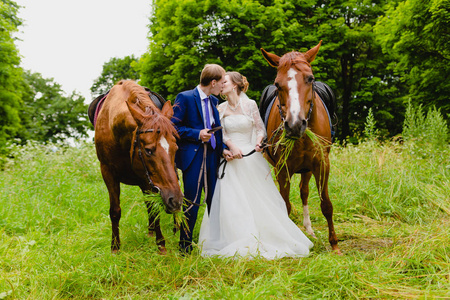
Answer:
(211, 72)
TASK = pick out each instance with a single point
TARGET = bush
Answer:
(425, 130)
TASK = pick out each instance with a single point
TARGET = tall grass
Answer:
(391, 213)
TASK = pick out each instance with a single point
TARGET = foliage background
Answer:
(32, 107)
(387, 61)
(376, 54)
(359, 63)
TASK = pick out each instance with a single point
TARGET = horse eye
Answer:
(310, 79)
(148, 151)
(277, 86)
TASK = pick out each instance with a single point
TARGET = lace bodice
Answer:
(244, 122)
(239, 129)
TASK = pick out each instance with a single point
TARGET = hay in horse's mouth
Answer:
(287, 144)
(159, 207)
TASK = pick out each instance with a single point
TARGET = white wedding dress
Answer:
(248, 215)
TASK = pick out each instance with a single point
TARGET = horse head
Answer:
(153, 153)
(296, 93)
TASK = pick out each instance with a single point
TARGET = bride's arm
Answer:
(235, 151)
(259, 126)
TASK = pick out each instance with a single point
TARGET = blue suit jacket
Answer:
(188, 119)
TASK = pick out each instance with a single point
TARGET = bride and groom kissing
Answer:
(245, 215)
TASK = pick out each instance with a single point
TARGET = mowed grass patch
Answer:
(390, 212)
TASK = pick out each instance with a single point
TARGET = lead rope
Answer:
(205, 180)
(224, 161)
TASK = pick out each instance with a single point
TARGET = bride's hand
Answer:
(237, 153)
(227, 155)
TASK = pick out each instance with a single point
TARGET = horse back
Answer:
(114, 115)
(114, 128)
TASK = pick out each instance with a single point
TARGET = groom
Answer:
(195, 113)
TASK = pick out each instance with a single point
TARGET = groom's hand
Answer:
(204, 135)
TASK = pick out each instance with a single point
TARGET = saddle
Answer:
(325, 93)
(266, 101)
(97, 103)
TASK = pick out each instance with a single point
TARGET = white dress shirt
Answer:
(211, 115)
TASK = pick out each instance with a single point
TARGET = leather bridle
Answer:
(136, 144)
(313, 94)
(275, 94)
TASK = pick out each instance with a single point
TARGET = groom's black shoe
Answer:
(185, 248)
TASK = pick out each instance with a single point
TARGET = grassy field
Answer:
(392, 218)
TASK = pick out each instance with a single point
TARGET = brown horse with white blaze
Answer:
(296, 108)
(136, 145)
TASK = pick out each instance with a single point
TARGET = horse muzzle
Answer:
(295, 130)
(173, 201)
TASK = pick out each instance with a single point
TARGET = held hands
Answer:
(233, 152)
(236, 152)
(227, 155)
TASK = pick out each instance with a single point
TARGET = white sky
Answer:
(70, 40)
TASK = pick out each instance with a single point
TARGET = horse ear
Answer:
(137, 114)
(272, 59)
(167, 110)
(310, 55)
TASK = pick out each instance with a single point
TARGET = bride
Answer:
(248, 216)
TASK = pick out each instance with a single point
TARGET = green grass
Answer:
(391, 212)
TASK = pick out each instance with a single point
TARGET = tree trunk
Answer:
(346, 95)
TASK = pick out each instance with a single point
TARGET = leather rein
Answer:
(153, 187)
(224, 162)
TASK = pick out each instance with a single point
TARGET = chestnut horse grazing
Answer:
(136, 145)
(298, 107)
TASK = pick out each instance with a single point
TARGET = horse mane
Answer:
(137, 95)
(291, 58)
(153, 117)
(159, 122)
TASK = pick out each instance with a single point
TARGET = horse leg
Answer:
(151, 219)
(285, 187)
(304, 193)
(115, 211)
(321, 175)
(154, 228)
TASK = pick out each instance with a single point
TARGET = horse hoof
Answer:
(337, 251)
(115, 251)
(151, 234)
(162, 250)
(311, 233)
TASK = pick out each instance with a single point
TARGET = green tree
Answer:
(49, 115)
(416, 33)
(186, 34)
(352, 63)
(114, 70)
(10, 73)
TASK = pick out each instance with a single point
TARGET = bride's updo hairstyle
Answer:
(239, 80)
